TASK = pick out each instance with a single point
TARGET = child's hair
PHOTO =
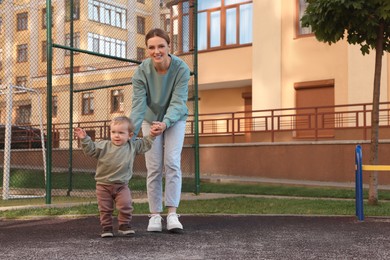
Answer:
(121, 120)
(157, 32)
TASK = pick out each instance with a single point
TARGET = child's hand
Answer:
(156, 129)
(80, 133)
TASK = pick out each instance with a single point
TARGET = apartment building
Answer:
(283, 62)
(254, 54)
(115, 28)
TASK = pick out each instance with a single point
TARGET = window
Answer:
(54, 103)
(140, 25)
(106, 45)
(21, 81)
(106, 14)
(76, 42)
(76, 10)
(302, 5)
(140, 53)
(181, 23)
(224, 24)
(117, 101)
(87, 103)
(44, 53)
(165, 22)
(44, 22)
(22, 21)
(23, 114)
(22, 53)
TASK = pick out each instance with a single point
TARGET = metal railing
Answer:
(310, 122)
(314, 123)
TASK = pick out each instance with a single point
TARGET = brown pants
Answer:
(119, 194)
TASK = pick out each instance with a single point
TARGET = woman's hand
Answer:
(157, 128)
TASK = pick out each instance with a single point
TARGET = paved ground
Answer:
(205, 237)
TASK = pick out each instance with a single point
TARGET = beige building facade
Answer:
(278, 66)
(280, 58)
(253, 55)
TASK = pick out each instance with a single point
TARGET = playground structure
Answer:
(80, 61)
(10, 92)
(359, 168)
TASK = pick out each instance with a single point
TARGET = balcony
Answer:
(341, 122)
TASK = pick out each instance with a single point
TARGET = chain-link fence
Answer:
(82, 75)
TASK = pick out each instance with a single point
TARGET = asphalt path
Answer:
(204, 237)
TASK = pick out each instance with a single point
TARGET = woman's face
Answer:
(158, 50)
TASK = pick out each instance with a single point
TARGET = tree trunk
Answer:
(373, 185)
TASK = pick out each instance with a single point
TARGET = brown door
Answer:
(315, 109)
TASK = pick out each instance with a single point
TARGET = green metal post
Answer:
(102, 87)
(70, 162)
(49, 100)
(95, 53)
(196, 112)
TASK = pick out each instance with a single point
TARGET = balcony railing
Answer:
(341, 122)
(313, 123)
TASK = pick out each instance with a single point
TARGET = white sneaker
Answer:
(155, 223)
(173, 223)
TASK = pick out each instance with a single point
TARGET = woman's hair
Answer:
(123, 120)
(157, 32)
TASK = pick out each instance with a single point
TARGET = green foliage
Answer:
(359, 19)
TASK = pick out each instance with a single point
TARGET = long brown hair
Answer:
(157, 32)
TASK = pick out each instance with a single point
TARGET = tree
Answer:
(363, 22)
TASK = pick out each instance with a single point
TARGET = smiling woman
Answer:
(160, 92)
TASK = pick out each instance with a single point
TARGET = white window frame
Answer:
(107, 14)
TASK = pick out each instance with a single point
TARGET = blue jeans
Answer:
(164, 155)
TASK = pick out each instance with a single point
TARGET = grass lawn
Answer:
(330, 201)
(236, 205)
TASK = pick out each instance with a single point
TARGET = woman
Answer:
(160, 91)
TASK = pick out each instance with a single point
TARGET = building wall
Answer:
(224, 69)
(280, 58)
(361, 76)
(35, 68)
(306, 162)
(267, 55)
(210, 101)
(268, 69)
(270, 66)
(306, 59)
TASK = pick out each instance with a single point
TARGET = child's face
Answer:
(120, 133)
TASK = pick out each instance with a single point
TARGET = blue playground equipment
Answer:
(359, 168)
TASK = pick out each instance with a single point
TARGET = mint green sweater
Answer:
(159, 97)
(115, 163)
